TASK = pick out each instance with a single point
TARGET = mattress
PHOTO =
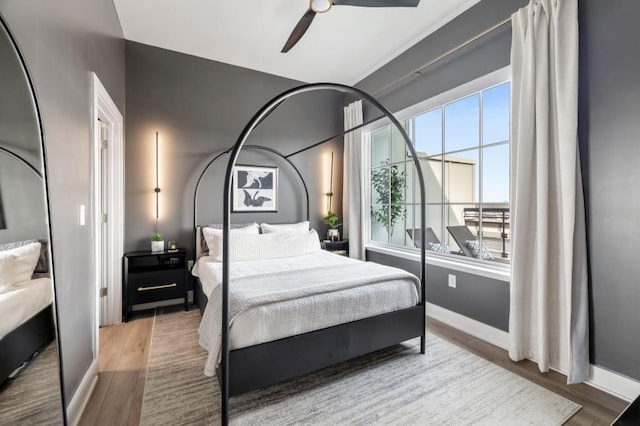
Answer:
(19, 305)
(273, 321)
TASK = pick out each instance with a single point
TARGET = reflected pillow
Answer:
(7, 266)
(482, 253)
(439, 247)
(213, 238)
(26, 259)
(43, 261)
(268, 228)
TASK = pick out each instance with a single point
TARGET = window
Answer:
(463, 146)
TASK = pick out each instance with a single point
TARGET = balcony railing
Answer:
(492, 217)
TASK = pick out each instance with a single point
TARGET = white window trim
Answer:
(485, 269)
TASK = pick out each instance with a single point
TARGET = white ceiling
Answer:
(343, 45)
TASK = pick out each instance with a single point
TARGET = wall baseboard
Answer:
(83, 393)
(470, 326)
(614, 383)
(599, 378)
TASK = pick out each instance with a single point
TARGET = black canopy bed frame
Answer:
(242, 370)
(37, 332)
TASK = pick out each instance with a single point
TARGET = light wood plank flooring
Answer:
(124, 354)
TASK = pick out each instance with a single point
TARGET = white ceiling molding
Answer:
(343, 45)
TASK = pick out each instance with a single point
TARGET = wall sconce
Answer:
(157, 188)
(330, 193)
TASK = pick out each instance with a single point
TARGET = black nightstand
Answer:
(150, 277)
(337, 247)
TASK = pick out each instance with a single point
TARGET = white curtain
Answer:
(548, 320)
(353, 202)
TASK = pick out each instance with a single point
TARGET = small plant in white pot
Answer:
(333, 220)
(157, 242)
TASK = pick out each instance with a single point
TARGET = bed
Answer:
(242, 368)
(294, 296)
(27, 315)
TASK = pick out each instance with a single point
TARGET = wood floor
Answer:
(124, 354)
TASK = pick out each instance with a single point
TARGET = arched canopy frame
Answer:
(263, 113)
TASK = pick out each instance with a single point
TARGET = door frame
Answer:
(105, 109)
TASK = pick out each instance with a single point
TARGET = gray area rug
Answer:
(395, 386)
(33, 396)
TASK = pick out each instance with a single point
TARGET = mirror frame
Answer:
(44, 173)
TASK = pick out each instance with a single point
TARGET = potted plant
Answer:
(333, 220)
(389, 184)
(157, 242)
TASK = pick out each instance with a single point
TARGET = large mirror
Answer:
(30, 391)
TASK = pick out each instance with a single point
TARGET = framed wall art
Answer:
(255, 189)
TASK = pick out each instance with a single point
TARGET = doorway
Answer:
(107, 206)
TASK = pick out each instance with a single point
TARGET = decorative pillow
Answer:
(43, 261)
(213, 238)
(482, 253)
(16, 244)
(270, 246)
(7, 266)
(26, 259)
(439, 247)
(204, 249)
(301, 227)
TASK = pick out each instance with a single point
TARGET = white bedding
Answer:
(19, 305)
(276, 320)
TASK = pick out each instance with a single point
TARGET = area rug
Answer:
(396, 386)
(33, 396)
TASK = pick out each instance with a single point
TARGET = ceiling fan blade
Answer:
(299, 30)
(377, 3)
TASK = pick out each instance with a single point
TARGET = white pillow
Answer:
(271, 246)
(26, 259)
(213, 237)
(267, 228)
(7, 267)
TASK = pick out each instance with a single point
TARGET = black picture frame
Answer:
(254, 189)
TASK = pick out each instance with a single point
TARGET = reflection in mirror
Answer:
(30, 391)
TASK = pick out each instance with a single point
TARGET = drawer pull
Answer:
(157, 287)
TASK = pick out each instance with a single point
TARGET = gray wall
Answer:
(21, 190)
(61, 43)
(608, 132)
(483, 299)
(481, 57)
(200, 107)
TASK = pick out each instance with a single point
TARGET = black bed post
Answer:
(235, 151)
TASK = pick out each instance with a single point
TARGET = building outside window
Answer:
(463, 147)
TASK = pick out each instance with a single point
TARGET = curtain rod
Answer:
(441, 57)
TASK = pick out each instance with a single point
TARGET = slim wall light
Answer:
(157, 188)
(330, 193)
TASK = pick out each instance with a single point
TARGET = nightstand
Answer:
(151, 277)
(337, 247)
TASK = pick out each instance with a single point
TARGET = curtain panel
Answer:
(548, 320)
(353, 201)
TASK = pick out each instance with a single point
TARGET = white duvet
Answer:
(277, 298)
(23, 302)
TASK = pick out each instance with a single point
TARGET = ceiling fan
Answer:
(322, 6)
